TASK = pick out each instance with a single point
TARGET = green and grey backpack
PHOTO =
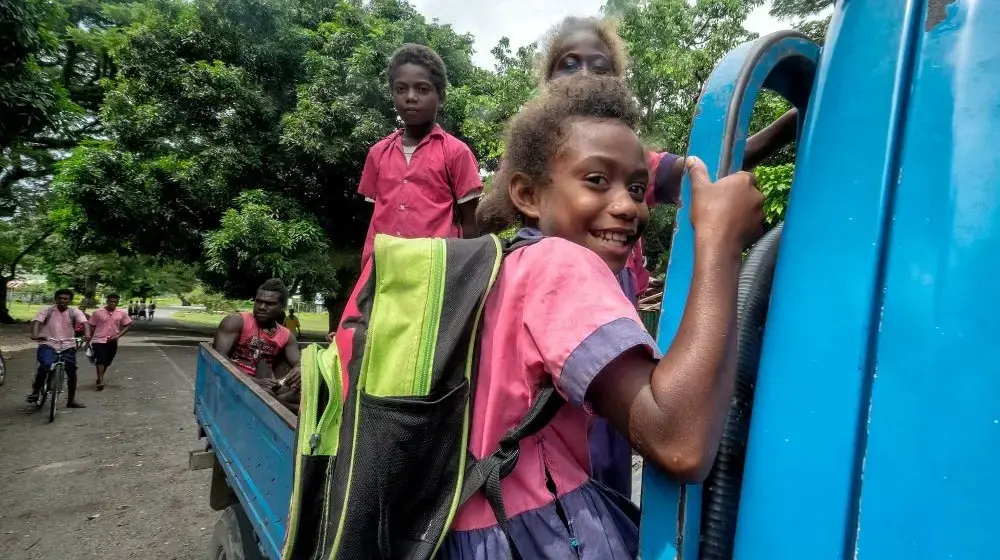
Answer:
(382, 462)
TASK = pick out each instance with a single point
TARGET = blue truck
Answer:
(869, 320)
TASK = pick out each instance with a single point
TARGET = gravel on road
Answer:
(111, 481)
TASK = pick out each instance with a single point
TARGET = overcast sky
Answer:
(524, 21)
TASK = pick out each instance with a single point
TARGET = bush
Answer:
(215, 302)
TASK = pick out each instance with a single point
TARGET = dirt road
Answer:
(110, 481)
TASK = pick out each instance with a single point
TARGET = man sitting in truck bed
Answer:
(256, 342)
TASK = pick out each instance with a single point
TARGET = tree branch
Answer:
(52, 143)
(31, 247)
(8, 180)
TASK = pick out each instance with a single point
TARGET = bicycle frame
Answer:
(56, 375)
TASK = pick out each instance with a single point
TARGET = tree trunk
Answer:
(184, 301)
(90, 293)
(5, 317)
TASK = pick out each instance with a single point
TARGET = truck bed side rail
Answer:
(253, 438)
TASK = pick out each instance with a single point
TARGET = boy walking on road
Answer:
(109, 324)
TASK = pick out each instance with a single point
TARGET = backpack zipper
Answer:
(432, 321)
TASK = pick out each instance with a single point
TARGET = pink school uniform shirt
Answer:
(108, 323)
(555, 312)
(58, 325)
(418, 198)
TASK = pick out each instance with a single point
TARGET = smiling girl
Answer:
(576, 177)
(592, 46)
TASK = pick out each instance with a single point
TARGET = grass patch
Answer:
(200, 318)
(312, 323)
(22, 311)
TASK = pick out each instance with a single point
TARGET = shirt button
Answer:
(404, 181)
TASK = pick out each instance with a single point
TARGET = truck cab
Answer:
(867, 412)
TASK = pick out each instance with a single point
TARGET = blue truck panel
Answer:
(799, 496)
(929, 484)
(253, 438)
(672, 513)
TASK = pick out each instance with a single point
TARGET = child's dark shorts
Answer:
(104, 352)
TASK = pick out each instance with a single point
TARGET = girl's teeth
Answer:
(613, 236)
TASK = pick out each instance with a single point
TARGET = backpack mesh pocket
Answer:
(310, 508)
(405, 474)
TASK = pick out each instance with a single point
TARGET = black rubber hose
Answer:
(721, 494)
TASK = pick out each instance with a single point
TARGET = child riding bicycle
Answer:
(55, 328)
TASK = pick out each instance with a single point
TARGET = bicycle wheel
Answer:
(58, 371)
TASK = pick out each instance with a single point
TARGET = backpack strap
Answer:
(72, 317)
(486, 474)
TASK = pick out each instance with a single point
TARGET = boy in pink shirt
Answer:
(109, 324)
(423, 181)
(55, 328)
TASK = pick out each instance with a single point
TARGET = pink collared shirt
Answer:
(108, 323)
(417, 199)
(58, 325)
(556, 312)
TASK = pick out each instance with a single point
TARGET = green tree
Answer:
(491, 99)
(50, 73)
(805, 15)
(260, 239)
(214, 98)
(673, 46)
(798, 8)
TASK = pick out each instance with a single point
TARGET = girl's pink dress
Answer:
(557, 311)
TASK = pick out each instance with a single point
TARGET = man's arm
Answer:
(36, 330)
(767, 142)
(88, 329)
(466, 185)
(759, 147)
(467, 215)
(292, 354)
(121, 333)
(228, 334)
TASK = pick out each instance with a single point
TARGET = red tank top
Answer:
(258, 347)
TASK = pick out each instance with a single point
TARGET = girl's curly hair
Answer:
(538, 132)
